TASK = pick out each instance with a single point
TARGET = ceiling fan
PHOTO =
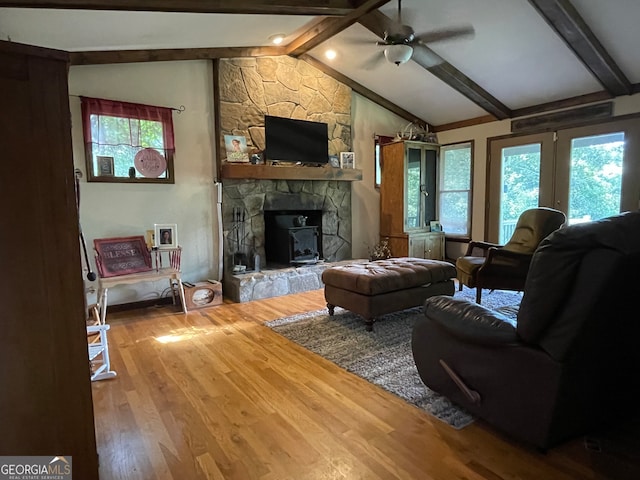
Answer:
(400, 41)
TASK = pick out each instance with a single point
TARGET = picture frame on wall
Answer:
(166, 235)
(347, 160)
(105, 166)
(334, 161)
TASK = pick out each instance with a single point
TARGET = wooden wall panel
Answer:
(392, 189)
(46, 404)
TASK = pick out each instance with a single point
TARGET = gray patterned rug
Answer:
(382, 357)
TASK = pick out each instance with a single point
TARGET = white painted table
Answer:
(170, 273)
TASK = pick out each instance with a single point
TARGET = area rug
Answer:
(384, 356)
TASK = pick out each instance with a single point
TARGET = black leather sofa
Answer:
(569, 364)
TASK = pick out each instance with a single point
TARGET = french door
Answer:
(587, 172)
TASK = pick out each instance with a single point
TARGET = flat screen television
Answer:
(293, 140)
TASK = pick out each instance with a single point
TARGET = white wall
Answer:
(368, 119)
(120, 209)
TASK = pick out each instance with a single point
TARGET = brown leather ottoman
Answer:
(372, 289)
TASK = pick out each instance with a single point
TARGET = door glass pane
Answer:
(595, 180)
(520, 181)
(413, 188)
(428, 187)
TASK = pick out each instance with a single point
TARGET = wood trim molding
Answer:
(100, 57)
(563, 118)
(329, 27)
(247, 7)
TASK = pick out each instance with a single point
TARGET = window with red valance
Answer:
(127, 142)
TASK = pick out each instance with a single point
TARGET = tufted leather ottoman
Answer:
(372, 289)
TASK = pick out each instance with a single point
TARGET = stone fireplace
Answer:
(283, 86)
(249, 206)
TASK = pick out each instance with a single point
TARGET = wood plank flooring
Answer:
(217, 395)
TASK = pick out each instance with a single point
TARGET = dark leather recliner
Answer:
(505, 267)
(569, 364)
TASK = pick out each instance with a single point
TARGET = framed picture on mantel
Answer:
(347, 160)
(236, 146)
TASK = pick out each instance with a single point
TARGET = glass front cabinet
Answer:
(408, 199)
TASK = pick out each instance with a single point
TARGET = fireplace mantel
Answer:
(282, 172)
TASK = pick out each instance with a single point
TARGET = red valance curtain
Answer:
(131, 114)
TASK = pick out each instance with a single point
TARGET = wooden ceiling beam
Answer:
(376, 21)
(246, 7)
(168, 55)
(329, 27)
(571, 27)
(467, 87)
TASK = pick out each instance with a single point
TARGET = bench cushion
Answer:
(393, 274)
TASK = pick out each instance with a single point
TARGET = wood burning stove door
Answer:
(303, 245)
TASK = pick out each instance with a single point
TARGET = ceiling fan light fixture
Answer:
(398, 54)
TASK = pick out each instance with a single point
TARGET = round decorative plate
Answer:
(150, 163)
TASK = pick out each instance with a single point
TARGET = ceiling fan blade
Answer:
(373, 61)
(446, 34)
(424, 56)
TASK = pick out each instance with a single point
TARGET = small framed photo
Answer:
(105, 166)
(435, 226)
(166, 235)
(347, 160)
(236, 146)
(334, 161)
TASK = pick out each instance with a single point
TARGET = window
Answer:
(127, 142)
(454, 198)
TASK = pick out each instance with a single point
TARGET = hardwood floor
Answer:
(217, 395)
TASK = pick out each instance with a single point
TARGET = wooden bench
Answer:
(132, 252)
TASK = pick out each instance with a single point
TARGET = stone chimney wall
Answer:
(251, 88)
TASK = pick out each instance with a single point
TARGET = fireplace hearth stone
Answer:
(277, 282)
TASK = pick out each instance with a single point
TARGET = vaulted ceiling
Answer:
(524, 56)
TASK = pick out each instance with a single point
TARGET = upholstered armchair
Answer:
(505, 267)
(569, 363)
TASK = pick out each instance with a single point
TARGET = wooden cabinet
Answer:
(45, 405)
(408, 199)
(427, 245)
(419, 245)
